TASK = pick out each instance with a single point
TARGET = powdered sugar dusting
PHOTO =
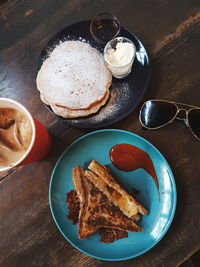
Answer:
(74, 75)
(120, 93)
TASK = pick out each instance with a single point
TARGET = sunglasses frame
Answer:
(175, 116)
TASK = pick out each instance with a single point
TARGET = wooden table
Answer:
(170, 31)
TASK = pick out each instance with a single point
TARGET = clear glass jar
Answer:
(119, 55)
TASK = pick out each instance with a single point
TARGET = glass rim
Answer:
(118, 65)
(30, 117)
(101, 14)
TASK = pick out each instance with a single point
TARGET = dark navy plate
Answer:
(125, 93)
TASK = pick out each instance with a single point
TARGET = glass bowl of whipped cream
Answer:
(119, 54)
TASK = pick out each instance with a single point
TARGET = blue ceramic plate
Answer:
(96, 145)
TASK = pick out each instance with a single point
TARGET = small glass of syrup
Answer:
(104, 27)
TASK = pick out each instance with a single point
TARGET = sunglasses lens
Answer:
(194, 121)
(157, 113)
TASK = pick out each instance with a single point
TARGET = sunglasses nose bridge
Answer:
(182, 114)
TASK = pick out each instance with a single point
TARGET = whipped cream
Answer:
(120, 58)
(122, 55)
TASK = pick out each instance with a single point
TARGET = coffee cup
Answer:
(35, 143)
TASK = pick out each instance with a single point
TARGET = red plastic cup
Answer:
(40, 144)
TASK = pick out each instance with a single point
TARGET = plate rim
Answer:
(67, 120)
(174, 189)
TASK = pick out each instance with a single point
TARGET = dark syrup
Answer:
(105, 30)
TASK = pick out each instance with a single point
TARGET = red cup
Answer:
(40, 144)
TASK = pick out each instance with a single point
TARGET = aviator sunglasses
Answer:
(155, 114)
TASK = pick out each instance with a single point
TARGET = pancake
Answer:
(74, 80)
(68, 113)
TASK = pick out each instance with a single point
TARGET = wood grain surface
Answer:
(170, 30)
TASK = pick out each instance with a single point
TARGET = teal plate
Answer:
(161, 206)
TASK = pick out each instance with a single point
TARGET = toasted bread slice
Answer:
(96, 211)
(103, 187)
(73, 206)
(83, 192)
(107, 235)
(102, 179)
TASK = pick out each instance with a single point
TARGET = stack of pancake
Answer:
(74, 80)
